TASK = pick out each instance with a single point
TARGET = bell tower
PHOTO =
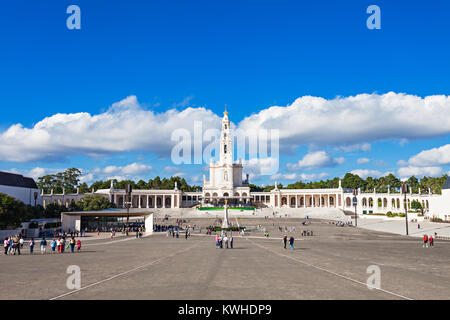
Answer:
(226, 141)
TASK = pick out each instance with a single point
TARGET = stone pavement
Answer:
(332, 264)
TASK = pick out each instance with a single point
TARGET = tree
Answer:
(67, 180)
(353, 181)
(416, 205)
(12, 211)
(94, 202)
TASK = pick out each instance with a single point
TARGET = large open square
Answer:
(331, 264)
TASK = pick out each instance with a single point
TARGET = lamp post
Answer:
(355, 203)
(405, 191)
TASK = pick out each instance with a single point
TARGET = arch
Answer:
(370, 203)
(226, 194)
(398, 203)
(379, 203)
(236, 194)
(364, 202)
(168, 201)
(393, 203)
(293, 201)
(323, 201)
(302, 201)
(207, 194)
(283, 201)
(215, 194)
(159, 202)
(426, 204)
(348, 202)
(385, 203)
(331, 201)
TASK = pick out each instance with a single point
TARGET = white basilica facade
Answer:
(225, 182)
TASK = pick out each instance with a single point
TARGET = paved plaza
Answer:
(332, 264)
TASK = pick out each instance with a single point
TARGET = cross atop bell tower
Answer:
(226, 141)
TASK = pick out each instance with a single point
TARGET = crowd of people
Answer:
(13, 245)
(223, 241)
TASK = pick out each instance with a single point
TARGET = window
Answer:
(225, 149)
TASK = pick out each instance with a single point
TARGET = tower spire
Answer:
(225, 113)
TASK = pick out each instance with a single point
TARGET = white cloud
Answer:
(348, 123)
(363, 160)
(316, 159)
(36, 173)
(87, 178)
(355, 147)
(354, 120)
(125, 126)
(364, 173)
(431, 157)
(257, 167)
(409, 171)
(301, 176)
(128, 170)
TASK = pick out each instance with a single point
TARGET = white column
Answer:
(328, 200)
(304, 201)
(163, 201)
(320, 200)
(296, 201)
(148, 201)
(154, 202)
(172, 204)
(139, 199)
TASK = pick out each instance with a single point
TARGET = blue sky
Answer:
(250, 55)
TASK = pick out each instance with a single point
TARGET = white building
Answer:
(225, 176)
(20, 187)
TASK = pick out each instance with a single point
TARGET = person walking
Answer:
(186, 234)
(31, 245)
(221, 242)
(425, 241)
(6, 245)
(78, 245)
(291, 243)
(431, 240)
(231, 241)
(72, 244)
(53, 245)
(21, 241)
(43, 245)
(217, 242)
(17, 244)
(11, 245)
(225, 239)
(285, 241)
